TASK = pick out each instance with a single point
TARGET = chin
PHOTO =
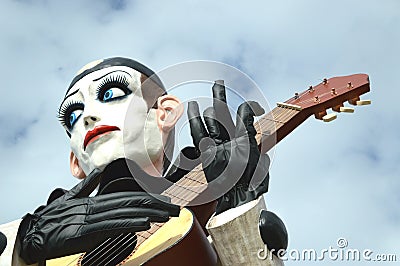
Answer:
(100, 154)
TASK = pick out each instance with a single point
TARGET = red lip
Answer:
(96, 133)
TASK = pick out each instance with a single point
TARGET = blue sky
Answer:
(327, 180)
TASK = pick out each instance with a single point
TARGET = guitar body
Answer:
(180, 241)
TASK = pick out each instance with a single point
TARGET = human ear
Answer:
(169, 111)
(76, 169)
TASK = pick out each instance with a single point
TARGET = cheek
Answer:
(77, 136)
(132, 115)
(121, 113)
(75, 146)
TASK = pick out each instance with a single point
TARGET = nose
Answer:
(90, 120)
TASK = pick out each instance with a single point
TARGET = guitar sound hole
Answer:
(111, 252)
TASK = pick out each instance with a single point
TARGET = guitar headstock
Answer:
(331, 93)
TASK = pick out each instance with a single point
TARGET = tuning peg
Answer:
(340, 108)
(357, 101)
(325, 117)
(320, 115)
(346, 109)
(350, 85)
(363, 102)
(329, 117)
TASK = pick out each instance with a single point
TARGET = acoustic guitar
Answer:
(182, 240)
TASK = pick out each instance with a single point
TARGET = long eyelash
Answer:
(63, 110)
(119, 80)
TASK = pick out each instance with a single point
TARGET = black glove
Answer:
(74, 222)
(229, 153)
(3, 242)
(273, 231)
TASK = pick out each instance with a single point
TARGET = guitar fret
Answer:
(188, 178)
(184, 194)
(271, 123)
(146, 234)
(176, 199)
(186, 186)
(274, 121)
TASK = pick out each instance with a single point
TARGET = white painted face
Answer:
(94, 113)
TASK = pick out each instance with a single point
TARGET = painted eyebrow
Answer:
(69, 95)
(110, 73)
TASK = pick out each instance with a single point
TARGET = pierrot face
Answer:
(107, 118)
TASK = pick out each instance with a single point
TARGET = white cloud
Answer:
(327, 181)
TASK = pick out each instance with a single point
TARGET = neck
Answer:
(125, 175)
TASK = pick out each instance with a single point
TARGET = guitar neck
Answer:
(283, 119)
(277, 124)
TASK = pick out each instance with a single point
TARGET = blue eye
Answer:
(69, 113)
(113, 88)
(74, 116)
(108, 95)
(111, 94)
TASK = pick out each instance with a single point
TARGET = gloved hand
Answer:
(74, 222)
(229, 153)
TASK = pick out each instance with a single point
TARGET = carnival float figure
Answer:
(129, 165)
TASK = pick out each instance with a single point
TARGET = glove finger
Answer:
(117, 200)
(211, 123)
(86, 186)
(187, 159)
(114, 227)
(260, 178)
(129, 213)
(245, 119)
(227, 127)
(197, 129)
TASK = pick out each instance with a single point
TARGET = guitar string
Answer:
(96, 251)
(126, 246)
(93, 259)
(109, 252)
(189, 181)
(89, 256)
(275, 119)
(122, 247)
